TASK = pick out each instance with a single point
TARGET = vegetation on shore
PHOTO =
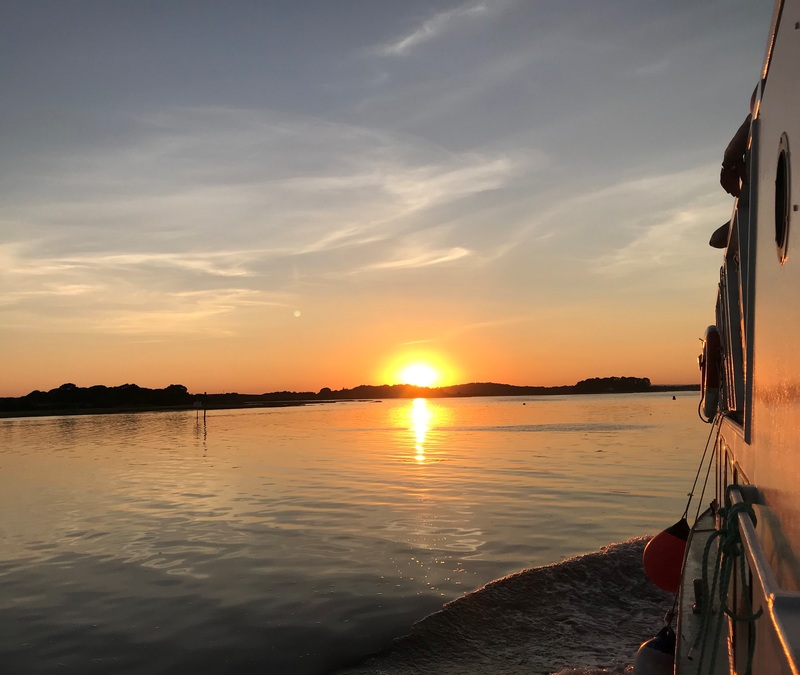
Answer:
(69, 398)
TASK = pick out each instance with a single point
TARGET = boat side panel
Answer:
(772, 462)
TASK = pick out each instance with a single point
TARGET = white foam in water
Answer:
(584, 616)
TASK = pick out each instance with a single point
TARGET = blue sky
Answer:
(255, 196)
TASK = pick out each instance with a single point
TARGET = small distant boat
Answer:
(738, 594)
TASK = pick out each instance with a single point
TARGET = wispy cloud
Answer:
(203, 191)
(433, 27)
(49, 290)
(183, 313)
(654, 67)
(679, 236)
(201, 199)
(651, 223)
(223, 264)
(116, 308)
(615, 213)
(426, 259)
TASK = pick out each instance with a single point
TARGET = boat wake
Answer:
(583, 616)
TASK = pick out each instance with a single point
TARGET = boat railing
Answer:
(781, 607)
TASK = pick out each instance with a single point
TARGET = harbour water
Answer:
(301, 540)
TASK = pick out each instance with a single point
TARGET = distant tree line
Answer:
(595, 385)
(458, 390)
(69, 398)
(616, 385)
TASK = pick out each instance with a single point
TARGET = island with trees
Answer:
(71, 399)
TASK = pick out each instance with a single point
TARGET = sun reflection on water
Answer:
(421, 417)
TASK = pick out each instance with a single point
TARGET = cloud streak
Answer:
(426, 259)
(432, 28)
(222, 264)
(334, 186)
(185, 313)
(201, 198)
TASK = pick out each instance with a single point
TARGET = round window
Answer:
(782, 199)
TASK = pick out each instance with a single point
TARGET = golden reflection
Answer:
(420, 423)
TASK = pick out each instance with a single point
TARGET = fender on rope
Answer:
(657, 655)
(709, 374)
(663, 556)
(663, 564)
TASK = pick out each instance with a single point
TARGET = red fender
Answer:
(663, 556)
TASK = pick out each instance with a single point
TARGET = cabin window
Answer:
(782, 199)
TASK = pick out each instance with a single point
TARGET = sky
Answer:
(264, 196)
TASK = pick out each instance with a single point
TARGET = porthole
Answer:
(783, 202)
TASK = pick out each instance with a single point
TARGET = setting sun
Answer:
(419, 374)
(421, 368)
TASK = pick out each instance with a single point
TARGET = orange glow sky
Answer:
(258, 197)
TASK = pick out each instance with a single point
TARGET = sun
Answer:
(420, 368)
(419, 374)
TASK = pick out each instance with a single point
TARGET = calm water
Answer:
(296, 540)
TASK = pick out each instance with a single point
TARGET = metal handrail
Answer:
(783, 607)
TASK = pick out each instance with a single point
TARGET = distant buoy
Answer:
(663, 556)
(657, 655)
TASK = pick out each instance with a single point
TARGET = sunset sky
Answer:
(257, 196)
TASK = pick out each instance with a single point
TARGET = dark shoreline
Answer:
(126, 410)
(255, 404)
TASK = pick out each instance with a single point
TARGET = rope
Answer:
(702, 417)
(718, 426)
(729, 551)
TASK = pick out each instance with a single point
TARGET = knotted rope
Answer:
(730, 550)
